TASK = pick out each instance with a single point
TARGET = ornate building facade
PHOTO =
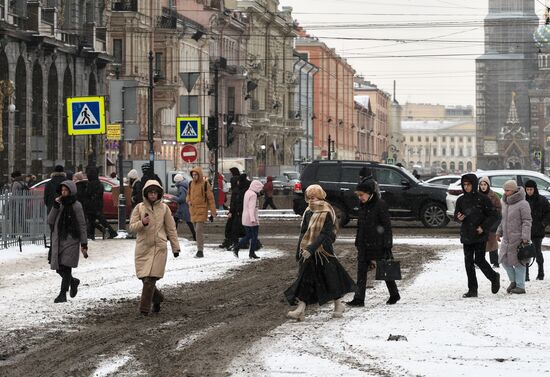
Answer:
(49, 51)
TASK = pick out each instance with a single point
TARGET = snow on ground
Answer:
(493, 335)
(28, 286)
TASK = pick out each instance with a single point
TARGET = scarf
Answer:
(68, 223)
(321, 210)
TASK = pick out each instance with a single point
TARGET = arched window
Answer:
(452, 166)
(461, 166)
(469, 166)
(444, 166)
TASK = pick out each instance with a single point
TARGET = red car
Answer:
(109, 209)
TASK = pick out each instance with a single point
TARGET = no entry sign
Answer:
(189, 153)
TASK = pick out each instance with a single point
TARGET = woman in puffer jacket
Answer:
(514, 229)
(492, 243)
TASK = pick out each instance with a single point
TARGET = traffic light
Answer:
(230, 129)
(212, 133)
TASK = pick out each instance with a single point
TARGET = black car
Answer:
(407, 197)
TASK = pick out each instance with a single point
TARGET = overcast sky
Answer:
(382, 40)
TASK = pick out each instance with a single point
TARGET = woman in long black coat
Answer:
(373, 241)
(321, 277)
(540, 212)
(68, 238)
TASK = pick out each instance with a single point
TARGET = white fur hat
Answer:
(133, 174)
(178, 178)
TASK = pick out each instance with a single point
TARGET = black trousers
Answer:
(66, 277)
(362, 269)
(537, 242)
(268, 202)
(493, 257)
(474, 254)
(92, 217)
(189, 225)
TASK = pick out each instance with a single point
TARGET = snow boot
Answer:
(540, 275)
(112, 233)
(518, 290)
(199, 254)
(147, 295)
(355, 302)
(62, 297)
(74, 287)
(253, 255)
(339, 309)
(158, 297)
(299, 313)
(469, 294)
(495, 283)
(511, 286)
(393, 299)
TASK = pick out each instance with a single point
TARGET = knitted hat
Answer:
(178, 178)
(510, 185)
(368, 186)
(133, 174)
(59, 169)
(531, 183)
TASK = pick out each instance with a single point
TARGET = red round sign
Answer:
(189, 153)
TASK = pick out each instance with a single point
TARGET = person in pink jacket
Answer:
(250, 219)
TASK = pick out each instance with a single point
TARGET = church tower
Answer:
(507, 66)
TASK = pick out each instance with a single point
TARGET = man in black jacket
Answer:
(94, 207)
(50, 191)
(229, 239)
(540, 212)
(148, 174)
(477, 215)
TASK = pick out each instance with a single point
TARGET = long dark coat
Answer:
(540, 212)
(94, 193)
(374, 238)
(67, 252)
(320, 279)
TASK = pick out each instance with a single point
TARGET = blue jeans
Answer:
(250, 235)
(516, 274)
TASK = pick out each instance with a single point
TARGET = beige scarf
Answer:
(320, 211)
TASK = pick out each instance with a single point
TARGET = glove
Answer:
(211, 218)
(84, 249)
(177, 254)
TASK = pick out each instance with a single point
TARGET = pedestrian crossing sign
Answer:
(86, 115)
(188, 129)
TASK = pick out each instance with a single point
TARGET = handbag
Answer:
(388, 270)
(525, 252)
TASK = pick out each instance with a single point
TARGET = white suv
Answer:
(497, 179)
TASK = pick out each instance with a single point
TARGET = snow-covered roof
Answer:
(362, 100)
(411, 125)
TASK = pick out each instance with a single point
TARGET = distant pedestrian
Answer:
(229, 238)
(514, 229)
(374, 240)
(31, 180)
(50, 190)
(236, 210)
(94, 207)
(416, 174)
(18, 184)
(182, 213)
(477, 215)
(250, 220)
(137, 188)
(153, 224)
(133, 179)
(321, 277)
(268, 193)
(81, 189)
(540, 213)
(68, 238)
(200, 199)
(492, 244)
(114, 178)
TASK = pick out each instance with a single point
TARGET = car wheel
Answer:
(433, 215)
(341, 215)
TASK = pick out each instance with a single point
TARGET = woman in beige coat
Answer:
(200, 199)
(154, 225)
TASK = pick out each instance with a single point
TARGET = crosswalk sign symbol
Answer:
(188, 129)
(86, 115)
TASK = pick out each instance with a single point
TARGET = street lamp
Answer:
(7, 89)
(264, 155)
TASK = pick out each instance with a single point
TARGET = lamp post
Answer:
(7, 89)
(150, 115)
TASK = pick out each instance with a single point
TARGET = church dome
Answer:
(542, 37)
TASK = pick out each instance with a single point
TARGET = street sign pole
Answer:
(150, 116)
(216, 116)
(121, 198)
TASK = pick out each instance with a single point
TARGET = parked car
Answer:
(109, 209)
(497, 179)
(407, 197)
(444, 180)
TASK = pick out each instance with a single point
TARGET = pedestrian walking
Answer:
(50, 190)
(68, 238)
(81, 189)
(153, 225)
(30, 180)
(94, 207)
(477, 216)
(229, 237)
(18, 184)
(514, 229)
(182, 213)
(374, 240)
(250, 220)
(268, 193)
(491, 246)
(540, 213)
(137, 188)
(321, 277)
(200, 199)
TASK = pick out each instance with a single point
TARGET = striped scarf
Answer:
(320, 211)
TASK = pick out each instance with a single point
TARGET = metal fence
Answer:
(22, 219)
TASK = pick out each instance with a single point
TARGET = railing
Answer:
(22, 219)
(125, 6)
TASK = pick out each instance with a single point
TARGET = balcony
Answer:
(125, 6)
(170, 19)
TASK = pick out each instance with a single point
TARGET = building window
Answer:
(419, 138)
(460, 139)
(444, 151)
(231, 99)
(117, 50)
(460, 153)
(444, 138)
(469, 139)
(411, 139)
(452, 139)
(159, 65)
(427, 139)
(435, 152)
(434, 139)
(452, 151)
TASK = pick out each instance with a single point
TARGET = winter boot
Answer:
(224, 244)
(511, 286)
(540, 275)
(74, 287)
(393, 299)
(356, 302)
(158, 297)
(299, 313)
(258, 245)
(112, 233)
(235, 249)
(495, 283)
(518, 290)
(199, 254)
(469, 294)
(253, 255)
(339, 309)
(147, 295)
(62, 297)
